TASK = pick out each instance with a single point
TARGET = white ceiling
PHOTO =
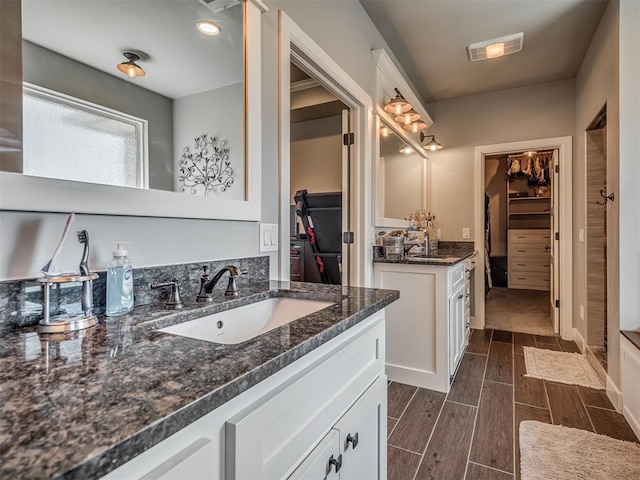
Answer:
(178, 59)
(429, 38)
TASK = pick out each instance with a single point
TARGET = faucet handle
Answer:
(205, 270)
(174, 302)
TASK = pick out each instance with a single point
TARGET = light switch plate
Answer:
(466, 233)
(268, 238)
(438, 233)
(581, 235)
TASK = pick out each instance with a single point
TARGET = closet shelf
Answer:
(520, 199)
(529, 213)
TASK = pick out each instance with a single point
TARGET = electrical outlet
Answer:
(438, 233)
(582, 312)
(268, 237)
(466, 233)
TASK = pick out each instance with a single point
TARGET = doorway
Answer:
(319, 182)
(519, 196)
(560, 247)
(596, 241)
(296, 47)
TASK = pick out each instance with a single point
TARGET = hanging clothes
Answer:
(487, 244)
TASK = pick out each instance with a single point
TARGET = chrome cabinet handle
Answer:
(337, 462)
(353, 439)
(460, 296)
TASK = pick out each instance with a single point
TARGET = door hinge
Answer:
(348, 139)
(347, 237)
(557, 303)
(557, 168)
(557, 236)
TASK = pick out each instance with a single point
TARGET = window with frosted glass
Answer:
(71, 139)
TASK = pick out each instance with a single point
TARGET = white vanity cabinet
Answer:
(290, 424)
(630, 365)
(428, 327)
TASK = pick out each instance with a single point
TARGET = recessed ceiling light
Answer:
(496, 47)
(208, 27)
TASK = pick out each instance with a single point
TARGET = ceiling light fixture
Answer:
(432, 144)
(415, 127)
(130, 68)
(208, 27)
(398, 105)
(406, 150)
(497, 47)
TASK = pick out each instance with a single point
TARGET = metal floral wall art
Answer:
(206, 168)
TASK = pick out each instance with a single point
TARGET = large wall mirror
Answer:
(402, 177)
(401, 171)
(133, 107)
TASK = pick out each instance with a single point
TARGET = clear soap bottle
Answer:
(119, 283)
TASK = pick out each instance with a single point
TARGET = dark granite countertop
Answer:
(446, 258)
(632, 336)
(78, 406)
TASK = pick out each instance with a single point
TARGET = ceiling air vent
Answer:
(497, 47)
(217, 6)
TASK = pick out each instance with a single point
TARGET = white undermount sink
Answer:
(243, 323)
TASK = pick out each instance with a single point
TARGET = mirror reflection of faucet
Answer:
(207, 284)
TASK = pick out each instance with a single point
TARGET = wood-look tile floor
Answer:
(472, 432)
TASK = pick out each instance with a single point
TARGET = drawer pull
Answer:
(353, 440)
(460, 296)
(522, 264)
(547, 247)
(337, 462)
(522, 251)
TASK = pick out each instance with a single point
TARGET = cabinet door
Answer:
(322, 462)
(457, 327)
(362, 435)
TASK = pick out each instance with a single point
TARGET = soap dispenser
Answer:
(119, 282)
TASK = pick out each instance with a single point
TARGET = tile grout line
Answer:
(404, 449)
(601, 408)
(532, 406)
(491, 468)
(460, 403)
(403, 411)
(546, 394)
(586, 410)
(475, 420)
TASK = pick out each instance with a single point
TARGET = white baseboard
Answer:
(614, 394)
(579, 339)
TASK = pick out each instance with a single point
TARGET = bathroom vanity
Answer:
(132, 401)
(428, 328)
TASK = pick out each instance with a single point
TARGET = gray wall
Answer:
(527, 113)
(51, 70)
(316, 156)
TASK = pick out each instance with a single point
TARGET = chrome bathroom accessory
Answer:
(174, 302)
(207, 284)
(67, 322)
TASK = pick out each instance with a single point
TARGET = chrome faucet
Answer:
(207, 284)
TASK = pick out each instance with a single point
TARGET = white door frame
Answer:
(297, 45)
(564, 146)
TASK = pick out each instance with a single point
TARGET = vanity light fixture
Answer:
(415, 127)
(432, 144)
(406, 150)
(130, 68)
(398, 105)
(208, 28)
(408, 117)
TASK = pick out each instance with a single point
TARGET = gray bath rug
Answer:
(554, 452)
(562, 367)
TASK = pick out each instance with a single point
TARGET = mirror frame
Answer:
(387, 78)
(20, 192)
